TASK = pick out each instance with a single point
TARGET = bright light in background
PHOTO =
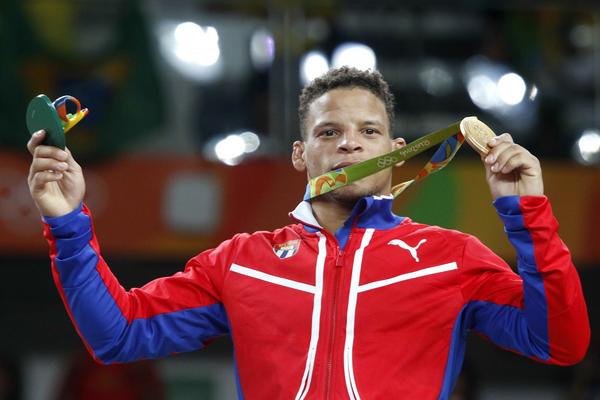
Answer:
(493, 87)
(251, 141)
(487, 94)
(262, 49)
(483, 92)
(355, 55)
(587, 148)
(582, 35)
(196, 45)
(511, 88)
(231, 149)
(533, 93)
(191, 49)
(312, 65)
(436, 79)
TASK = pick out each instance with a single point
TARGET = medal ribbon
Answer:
(450, 137)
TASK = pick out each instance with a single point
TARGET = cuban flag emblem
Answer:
(287, 249)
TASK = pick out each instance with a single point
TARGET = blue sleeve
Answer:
(168, 315)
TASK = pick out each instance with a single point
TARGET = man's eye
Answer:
(370, 131)
(328, 132)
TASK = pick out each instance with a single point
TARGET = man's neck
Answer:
(330, 213)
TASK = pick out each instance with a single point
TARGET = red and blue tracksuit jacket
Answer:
(379, 310)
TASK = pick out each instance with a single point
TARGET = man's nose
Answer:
(350, 142)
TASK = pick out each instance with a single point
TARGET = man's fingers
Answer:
(504, 138)
(514, 162)
(40, 179)
(513, 157)
(36, 139)
(45, 164)
(50, 152)
(36, 148)
(506, 153)
(70, 160)
(496, 151)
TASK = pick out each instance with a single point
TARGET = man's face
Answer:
(344, 127)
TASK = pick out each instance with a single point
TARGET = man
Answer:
(351, 301)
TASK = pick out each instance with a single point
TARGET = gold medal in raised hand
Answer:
(477, 134)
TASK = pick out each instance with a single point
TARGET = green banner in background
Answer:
(435, 202)
(64, 47)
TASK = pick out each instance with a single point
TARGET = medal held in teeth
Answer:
(475, 132)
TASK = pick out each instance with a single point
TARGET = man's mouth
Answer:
(344, 164)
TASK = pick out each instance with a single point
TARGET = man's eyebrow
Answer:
(369, 122)
(332, 123)
(326, 123)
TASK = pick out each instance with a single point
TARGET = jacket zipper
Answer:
(339, 262)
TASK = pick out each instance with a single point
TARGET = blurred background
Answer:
(192, 115)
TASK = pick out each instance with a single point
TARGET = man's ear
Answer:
(396, 144)
(298, 156)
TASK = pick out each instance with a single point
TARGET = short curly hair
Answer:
(346, 78)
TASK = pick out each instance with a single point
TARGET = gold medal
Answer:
(477, 134)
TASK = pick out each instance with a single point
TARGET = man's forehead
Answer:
(354, 103)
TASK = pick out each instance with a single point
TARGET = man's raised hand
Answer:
(511, 169)
(55, 179)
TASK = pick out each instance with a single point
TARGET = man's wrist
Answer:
(511, 209)
(69, 225)
(58, 221)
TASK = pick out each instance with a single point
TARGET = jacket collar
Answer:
(369, 212)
